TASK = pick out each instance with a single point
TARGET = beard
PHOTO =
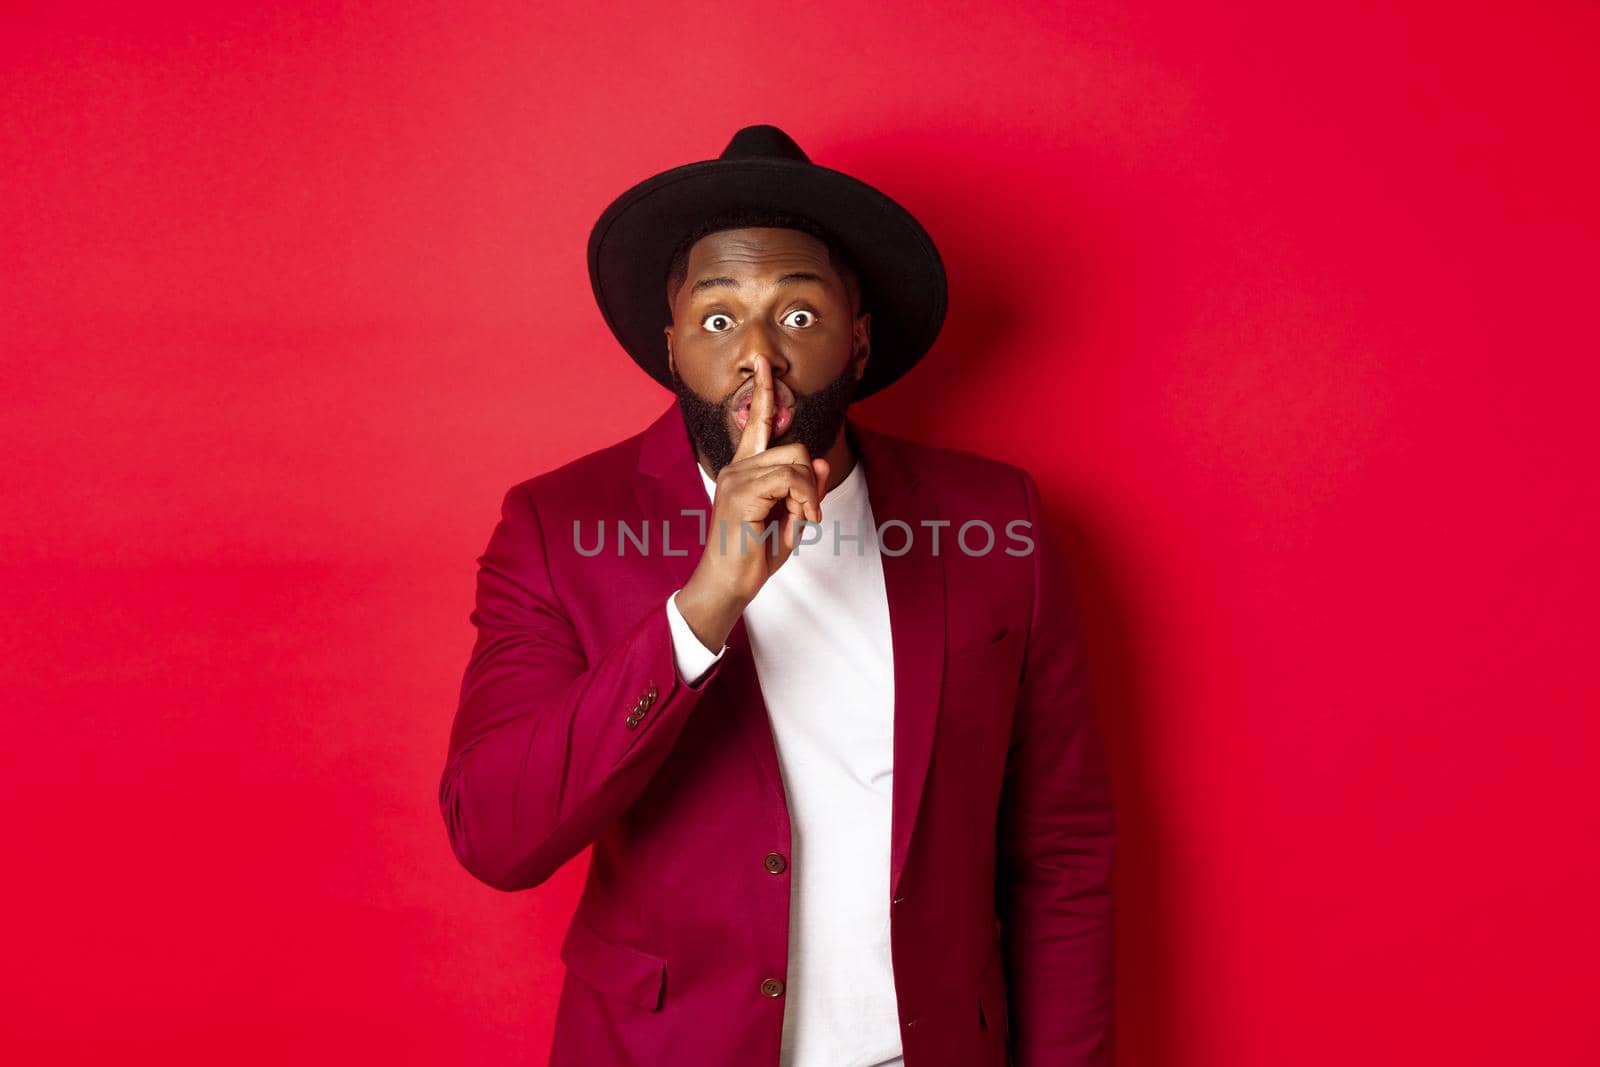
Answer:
(818, 417)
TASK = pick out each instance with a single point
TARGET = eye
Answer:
(717, 317)
(806, 318)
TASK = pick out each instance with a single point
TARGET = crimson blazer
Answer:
(574, 729)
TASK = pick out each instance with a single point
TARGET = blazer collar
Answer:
(670, 485)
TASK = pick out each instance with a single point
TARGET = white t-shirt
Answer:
(819, 634)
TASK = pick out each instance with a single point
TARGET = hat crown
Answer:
(763, 141)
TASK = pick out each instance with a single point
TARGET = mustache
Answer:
(817, 420)
(783, 395)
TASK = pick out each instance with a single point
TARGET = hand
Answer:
(759, 484)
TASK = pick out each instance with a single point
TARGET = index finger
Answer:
(758, 424)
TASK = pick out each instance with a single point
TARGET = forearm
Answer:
(1056, 837)
(1057, 924)
(522, 798)
(547, 748)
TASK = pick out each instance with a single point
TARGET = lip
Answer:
(783, 406)
(782, 419)
(782, 395)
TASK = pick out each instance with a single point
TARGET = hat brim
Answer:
(902, 277)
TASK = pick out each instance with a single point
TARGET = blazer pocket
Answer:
(621, 970)
(982, 675)
(983, 646)
(992, 1010)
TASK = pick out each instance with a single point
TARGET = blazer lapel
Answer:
(670, 484)
(914, 581)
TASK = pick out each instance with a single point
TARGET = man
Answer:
(815, 695)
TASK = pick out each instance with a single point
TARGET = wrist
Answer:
(710, 612)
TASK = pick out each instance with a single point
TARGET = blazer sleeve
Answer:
(1055, 836)
(546, 748)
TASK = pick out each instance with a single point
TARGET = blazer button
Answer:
(633, 720)
(775, 862)
(771, 987)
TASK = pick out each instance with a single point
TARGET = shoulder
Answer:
(966, 481)
(588, 484)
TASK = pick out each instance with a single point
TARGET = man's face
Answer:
(773, 292)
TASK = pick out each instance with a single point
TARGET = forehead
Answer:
(755, 250)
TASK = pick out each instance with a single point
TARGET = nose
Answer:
(761, 339)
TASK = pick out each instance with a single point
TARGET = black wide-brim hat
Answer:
(762, 169)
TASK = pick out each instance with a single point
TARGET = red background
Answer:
(1291, 314)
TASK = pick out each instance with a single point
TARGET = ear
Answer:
(671, 368)
(861, 340)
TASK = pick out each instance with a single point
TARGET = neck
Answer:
(841, 461)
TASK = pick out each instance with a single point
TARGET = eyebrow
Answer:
(729, 283)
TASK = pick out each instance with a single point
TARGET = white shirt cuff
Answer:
(692, 657)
